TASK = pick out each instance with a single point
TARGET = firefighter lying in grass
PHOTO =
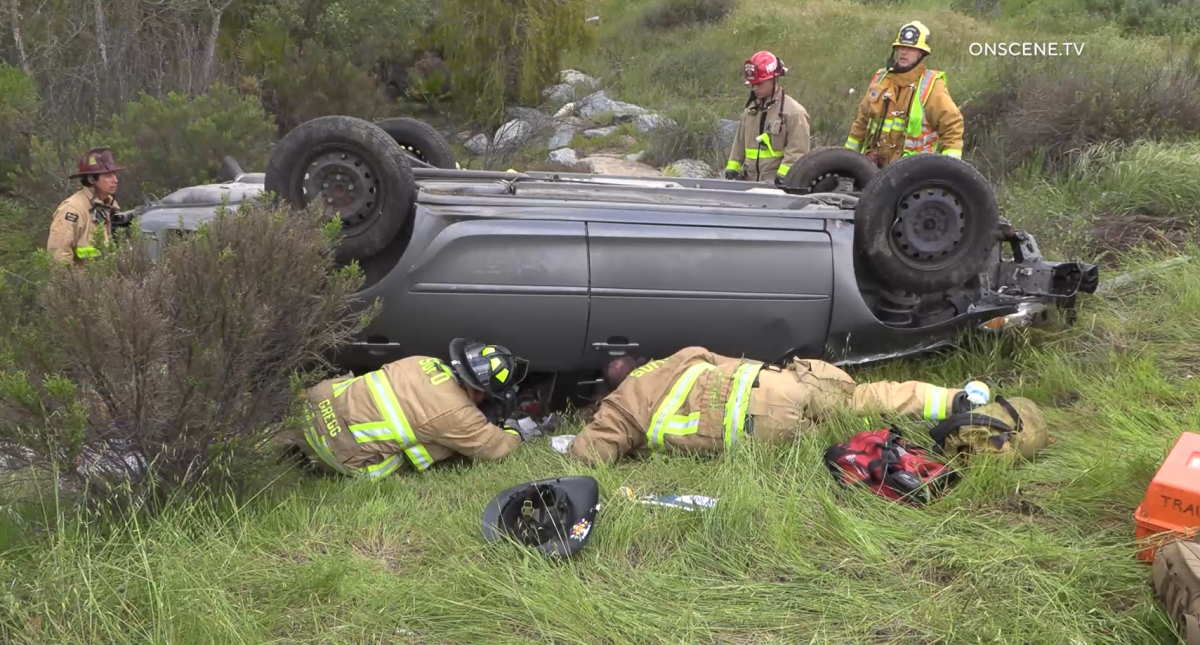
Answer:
(699, 402)
(410, 414)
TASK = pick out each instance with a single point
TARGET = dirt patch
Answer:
(1121, 233)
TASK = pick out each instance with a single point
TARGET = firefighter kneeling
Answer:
(699, 402)
(414, 411)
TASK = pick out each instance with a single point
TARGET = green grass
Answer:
(1040, 552)
(1034, 553)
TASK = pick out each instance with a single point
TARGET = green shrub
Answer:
(1110, 196)
(317, 81)
(184, 361)
(500, 51)
(1056, 109)
(694, 135)
(164, 144)
(19, 229)
(1156, 17)
(672, 14)
(18, 112)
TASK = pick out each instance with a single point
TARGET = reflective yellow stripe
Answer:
(340, 387)
(383, 468)
(670, 405)
(783, 169)
(739, 400)
(735, 166)
(386, 401)
(950, 152)
(85, 252)
(754, 153)
(318, 445)
(680, 424)
(766, 138)
(373, 431)
(853, 143)
(937, 399)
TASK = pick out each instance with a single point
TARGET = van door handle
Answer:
(616, 349)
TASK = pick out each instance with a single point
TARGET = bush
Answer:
(1057, 110)
(317, 81)
(501, 51)
(1155, 17)
(694, 135)
(18, 233)
(18, 110)
(184, 361)
(164, 144)
(671, 14)
(1110, 197)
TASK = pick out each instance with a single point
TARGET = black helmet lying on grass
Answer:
(554, 516)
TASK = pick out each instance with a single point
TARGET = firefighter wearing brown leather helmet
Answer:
(86, 217)
(907, 109)
(553, 516)
(773, 132)
(410, 414)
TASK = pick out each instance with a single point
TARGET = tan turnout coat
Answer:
(655, 410)
(409, 414)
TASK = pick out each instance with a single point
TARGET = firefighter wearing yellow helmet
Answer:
(907, 108)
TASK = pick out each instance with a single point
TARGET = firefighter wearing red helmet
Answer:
(773, 132)
(907, 109)
(87, 214)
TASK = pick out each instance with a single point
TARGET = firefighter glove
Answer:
(525, 428)
(731, 174)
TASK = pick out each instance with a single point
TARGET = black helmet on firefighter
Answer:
(490, 369)
(554, 516)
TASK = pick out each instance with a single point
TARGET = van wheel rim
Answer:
(341, 180)
(929, 228)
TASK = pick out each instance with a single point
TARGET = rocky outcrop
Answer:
(577, 79)
(513, 134)
(597, 103)
(596, 133)
(562, 137)
(692, 168)
(477, 145)
(614, 165)
(726, 131)
(650, 122)
(563, 157)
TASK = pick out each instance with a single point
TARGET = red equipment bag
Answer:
(882, 461)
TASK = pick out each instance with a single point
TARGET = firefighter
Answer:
(411, 413)
(699, 402)
(91, 209)
(907, 108)
(773, 132)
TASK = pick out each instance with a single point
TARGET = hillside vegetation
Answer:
(1097, 155)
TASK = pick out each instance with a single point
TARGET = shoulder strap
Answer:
(942, 430)
(926, 85)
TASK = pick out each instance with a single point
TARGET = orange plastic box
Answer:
(1171, 506)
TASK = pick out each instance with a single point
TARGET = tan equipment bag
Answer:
(1176, 576)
